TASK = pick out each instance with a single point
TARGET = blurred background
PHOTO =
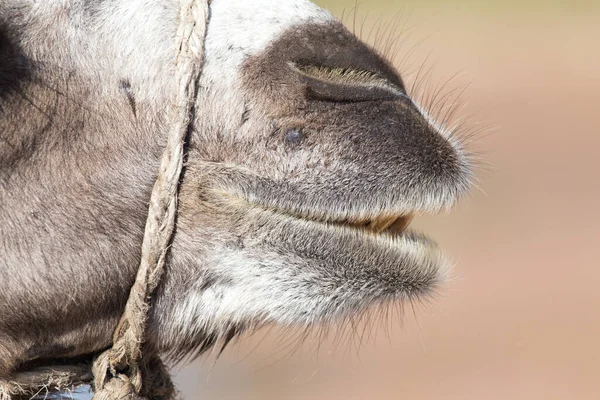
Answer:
(521, 319)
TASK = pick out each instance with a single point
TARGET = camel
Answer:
(305, 163)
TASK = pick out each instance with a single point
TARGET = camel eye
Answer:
(294, 136)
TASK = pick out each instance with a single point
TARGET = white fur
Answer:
(106, 42)
(233, 33)
(261, 289)
(134, 40)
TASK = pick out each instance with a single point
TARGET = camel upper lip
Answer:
(374, 212)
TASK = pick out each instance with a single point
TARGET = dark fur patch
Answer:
(15, 68)
(125, 86)
(337, 49)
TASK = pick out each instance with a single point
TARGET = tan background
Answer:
(521, 320)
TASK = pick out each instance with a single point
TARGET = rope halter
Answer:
(121, 372)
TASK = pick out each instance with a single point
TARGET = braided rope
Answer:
(118, 371)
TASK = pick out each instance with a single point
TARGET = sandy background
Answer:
(522, 318)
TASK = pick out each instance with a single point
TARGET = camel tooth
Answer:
(401, 224)
(381, 224)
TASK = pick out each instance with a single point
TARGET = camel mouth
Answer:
(347, 260)
(393, 225)
(385, 225)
